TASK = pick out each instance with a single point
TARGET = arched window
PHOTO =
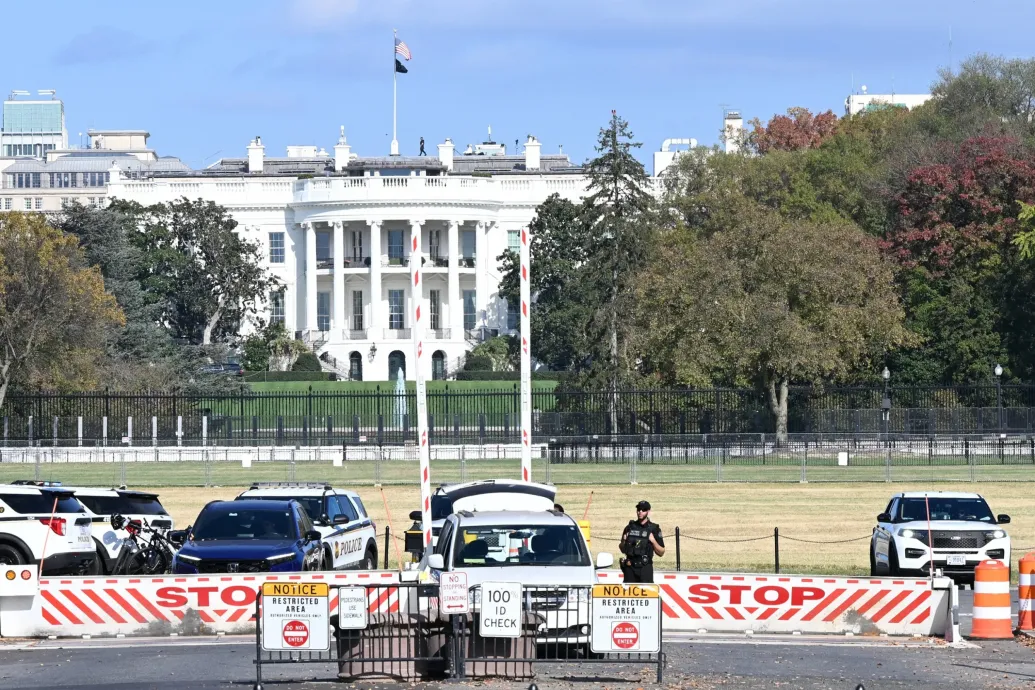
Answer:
(355, 367)
(396, 362)
(438, 366)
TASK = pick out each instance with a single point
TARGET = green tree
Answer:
(210, 276)
(617, 217)
(307, 361)
(561, 307)
(54, 311)
(496, 354)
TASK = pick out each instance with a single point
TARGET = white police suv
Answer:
(46, 526)
(958, 529)
(101, 504)
(349, 535)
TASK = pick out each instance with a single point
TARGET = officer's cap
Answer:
(643, 505)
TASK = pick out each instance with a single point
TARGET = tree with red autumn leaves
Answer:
(798, 129)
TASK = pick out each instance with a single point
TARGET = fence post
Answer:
(104, 430)
(30, 429)
(204, 430)
(388, 532)
(129, 431)
(677, 550)
(36, 469)
(55, 431)
(179, 430)
(776, 548)
(154, 431)
(79, 431)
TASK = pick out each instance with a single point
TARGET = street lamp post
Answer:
(999, 395)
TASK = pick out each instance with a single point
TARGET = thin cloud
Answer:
(102, 44)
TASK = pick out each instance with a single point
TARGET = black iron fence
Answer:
(473, 416)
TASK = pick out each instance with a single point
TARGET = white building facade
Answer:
(335, 230)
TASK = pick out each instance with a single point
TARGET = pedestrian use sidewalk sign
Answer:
(295, 616)
(625, 618)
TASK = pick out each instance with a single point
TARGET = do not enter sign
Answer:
(625, 635)
(296, 634)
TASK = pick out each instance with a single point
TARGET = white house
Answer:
(335, 230)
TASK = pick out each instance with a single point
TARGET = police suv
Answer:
(44, 524)
(957, 529)
(101, 504)
(348, 534)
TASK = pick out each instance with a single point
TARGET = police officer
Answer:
(641, 541)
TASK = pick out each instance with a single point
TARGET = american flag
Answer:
(402, 49)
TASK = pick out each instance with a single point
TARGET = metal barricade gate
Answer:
(406, 639)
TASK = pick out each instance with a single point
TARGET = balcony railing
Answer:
(439, 333)
(398, 261)
(397, 334)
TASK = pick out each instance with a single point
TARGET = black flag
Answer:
(400, 67)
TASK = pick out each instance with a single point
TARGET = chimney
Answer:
(114, 173)
(445, 154)
(733, 131)
(532, 153)
(342, 151)
(256, 152)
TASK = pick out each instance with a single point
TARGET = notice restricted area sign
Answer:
(295, 616)
(625, 618)
(500, 609)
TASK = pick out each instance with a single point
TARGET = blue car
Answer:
(249, 537)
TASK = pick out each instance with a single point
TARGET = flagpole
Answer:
(395, 97)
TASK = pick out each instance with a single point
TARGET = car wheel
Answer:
(97, 567)
(873, 561)
(892, 559)
(328, 561)
(9, 555)
(369, 560)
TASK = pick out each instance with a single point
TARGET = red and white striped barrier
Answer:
(160, 605)
(788, 604)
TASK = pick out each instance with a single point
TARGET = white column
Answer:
(481, 298)
(310, 277)
(456, 304)
(416, 253)
(338, 298)
(375, 319)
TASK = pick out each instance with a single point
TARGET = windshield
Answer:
(124, 505)
(313, 504)
(970, 509)
(42, 503)
(261, 525)
(505, 545)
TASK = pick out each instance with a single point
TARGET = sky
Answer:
(204, 78)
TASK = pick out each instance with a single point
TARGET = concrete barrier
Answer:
(209, 604)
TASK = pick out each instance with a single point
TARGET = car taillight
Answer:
(57, 525)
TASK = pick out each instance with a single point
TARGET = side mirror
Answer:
(177, 537)
(436, 561)
(884, 517)
(415, 515)
(605, 560)
(341, 519)
(1003, 519)
(312, 535)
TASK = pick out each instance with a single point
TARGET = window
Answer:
(551, 545)
(357, 245)
(395, 246)
(395, 309)
(277, 307)
(39, 203)
(92, 200)
(28, 204)
(64, 202)
(513, 316)
(24, 180)
(433, 244)
(470, 315)
(7, 203)
(396, 365)
(357, 310)
(323, 311)
(355, 367)
(435, 308)
(347, 509)
(63, 180)
(323, 246)
(467, 244)
(438, 366)
(95, 179)
(276, 247)
(36, 180)
(514, 241)
(358, 502)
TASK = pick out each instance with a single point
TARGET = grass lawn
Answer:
(712, 517)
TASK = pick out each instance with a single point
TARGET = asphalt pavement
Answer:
(699, 661)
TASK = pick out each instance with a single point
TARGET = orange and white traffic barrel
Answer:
(1026, 593)
(993, 619)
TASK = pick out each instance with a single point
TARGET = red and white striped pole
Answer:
(422, 400)
(526, 361)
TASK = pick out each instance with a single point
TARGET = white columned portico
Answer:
(456, 307)
(310, 277)
(376, 323)
(338, 298)
(481, 294)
